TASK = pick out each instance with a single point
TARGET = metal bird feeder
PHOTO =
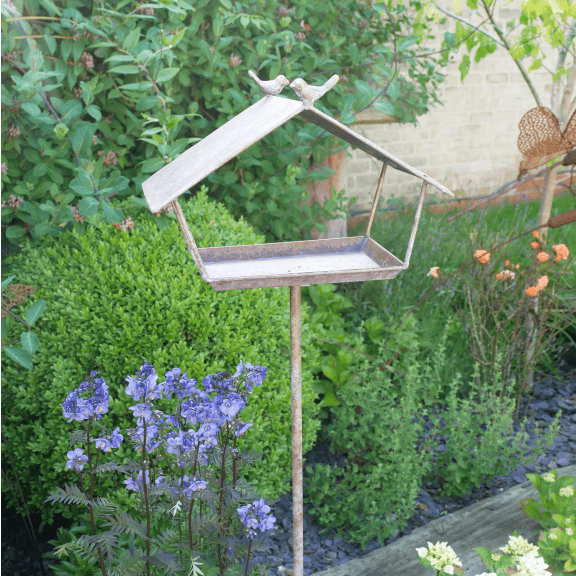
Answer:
(293, 264)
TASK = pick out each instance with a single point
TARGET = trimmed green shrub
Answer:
(118, 298)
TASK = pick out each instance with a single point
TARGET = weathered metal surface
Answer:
(348, 135)
(217, 148)
(415, 225)
(296, 385)
(189, 239)
(241, 132)
(330, 260)
(294, 264)
(376, 198)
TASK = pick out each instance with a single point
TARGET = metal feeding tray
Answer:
(293, 264)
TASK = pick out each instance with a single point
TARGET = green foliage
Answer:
(557, 544)
(28, 339)
(377, 430)
(472, 454)
(97, 97)
(121, 297)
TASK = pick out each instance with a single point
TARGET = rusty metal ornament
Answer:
(541, 139)
(293, 264)
(15, 294)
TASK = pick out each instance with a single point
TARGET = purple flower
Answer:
(76, 459)
(250, 514)
(106, 444)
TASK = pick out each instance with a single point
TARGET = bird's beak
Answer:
(293, 84)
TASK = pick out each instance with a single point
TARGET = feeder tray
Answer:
(332, 260)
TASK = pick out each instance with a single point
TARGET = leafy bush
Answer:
(98, 97)
(118, 297)
(386, 462)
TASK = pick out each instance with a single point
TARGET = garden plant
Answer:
(556, 550)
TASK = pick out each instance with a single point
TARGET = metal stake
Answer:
(296, 381)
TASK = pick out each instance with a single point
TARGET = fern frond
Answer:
(107, 466)
(129, 563)
(72, 495)
(106, 541)
(166, 561)
(79, 546)
(123, 522)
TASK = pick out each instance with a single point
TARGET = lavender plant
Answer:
(208, 446)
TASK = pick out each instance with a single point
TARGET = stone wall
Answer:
(470, 144)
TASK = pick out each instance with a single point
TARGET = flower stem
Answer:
(91, 508)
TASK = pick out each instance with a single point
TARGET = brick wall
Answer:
(470, 144)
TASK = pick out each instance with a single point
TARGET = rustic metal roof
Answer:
(246, 129)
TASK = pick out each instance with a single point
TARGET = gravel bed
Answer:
(324, 551)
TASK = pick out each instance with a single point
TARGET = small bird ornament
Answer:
(270, 87)
(309, 94)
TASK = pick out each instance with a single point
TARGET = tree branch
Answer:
(470, 24)
(517, 62)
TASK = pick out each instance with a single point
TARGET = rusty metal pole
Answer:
(296, 382)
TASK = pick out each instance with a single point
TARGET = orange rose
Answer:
(562, 252)
(542, 283)
(542, 256)
(482, 255)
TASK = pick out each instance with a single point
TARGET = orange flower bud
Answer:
(534, 245)
(532, 291)
(542, 256)
(535, 234)
(542, 283)
(507, 263)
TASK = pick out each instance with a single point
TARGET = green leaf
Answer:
(51, 43)
(30, 341)
(167, 74)
(534, 66)
(15, 232)
(363, 87)
(88, 206)
(113, 216)
(152, 165)
(129, 69)
(82, 139)
(35, 311)
(6, 282)
(244, 20)
(450, 39)
(31, 108)
(131, 41)
(94, 112)
(464, 67)
(120, 58)
(405, 43)
(69, 111)
(23, 357)
(394, 90)
(384, 107)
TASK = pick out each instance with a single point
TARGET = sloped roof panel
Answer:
(217, 148)
(347, 134)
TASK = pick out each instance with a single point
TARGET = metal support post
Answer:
(296, 382)
(376, 198)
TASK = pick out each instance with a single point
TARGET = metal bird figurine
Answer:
(270, 87)
(309, 94)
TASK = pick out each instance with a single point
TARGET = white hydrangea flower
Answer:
(567, 491)
(441, 556)
(569, 531)
(518, 547)
(553, 536)
(548, 477)
(532, 566)
(422, 552)
(568, 520)
(496, 557)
